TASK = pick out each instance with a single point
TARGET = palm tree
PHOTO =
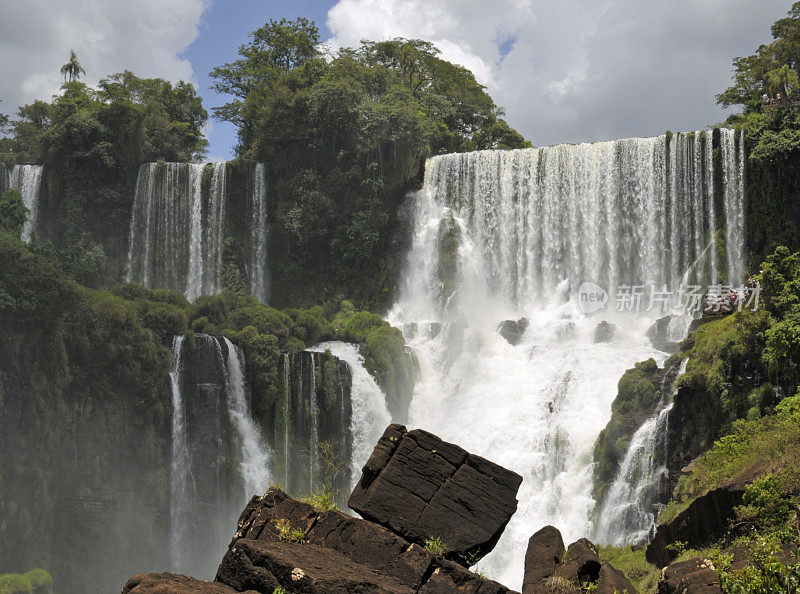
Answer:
(73, 68)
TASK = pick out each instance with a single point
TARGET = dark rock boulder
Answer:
(549, 568)
(545, 550)
(605, 332)
(695, 576)
(706, 519)
(659, 335)
(374, 556)
(512, 330)
(419, 487)
(581, 563)
(170, 583)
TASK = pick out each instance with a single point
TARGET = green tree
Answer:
(13, 212)
(72, 70)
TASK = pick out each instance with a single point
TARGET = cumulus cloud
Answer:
(108, 35)
(580, 70)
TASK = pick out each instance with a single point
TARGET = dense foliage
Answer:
(772, 136)
(343, 137)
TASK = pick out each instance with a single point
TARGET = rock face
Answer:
(695, 576)
(512, 330)
(419, 487)
(549, 568)
(605, 332)
(659, 335)
(281, 541)
(704, 520)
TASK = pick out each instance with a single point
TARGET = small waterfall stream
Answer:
(626, 513)
(181, 479)
(27, 180)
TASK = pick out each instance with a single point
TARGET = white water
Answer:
(194, 280)
(627, 515)
(733, 177)
(286, 429)
(534, 224)
(314, 453)
(27, 180)
(213, 232)
(370, 415)
(259, 281)
(253, 455)
(181, 480)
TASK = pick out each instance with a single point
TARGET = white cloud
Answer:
(581, 70)
(145, 36)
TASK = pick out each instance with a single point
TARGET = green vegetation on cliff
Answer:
(343, 138)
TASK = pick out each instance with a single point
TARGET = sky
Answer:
(564, 70)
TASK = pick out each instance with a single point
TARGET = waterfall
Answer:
(254, 459)
(504, 235)
(627, 512)
(194, 280)
(180, 221)
(27, 180)
(259, 281)
(314, 429)
(370, 415)
(181, 479)
(287, 395)
(732, 154)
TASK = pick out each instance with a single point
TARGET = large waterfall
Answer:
(505, 235)
(27, 180)
(180, 222)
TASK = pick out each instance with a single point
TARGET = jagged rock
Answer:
(706, 518)
(545, 550)
(605, 332)
(512, 331)
(581, 564)
(659, 335)
(419, 486)
(170, 583)
(549, 568)
(372, 553)
(695, 576)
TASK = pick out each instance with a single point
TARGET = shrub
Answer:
(435, 545)
(14, 583)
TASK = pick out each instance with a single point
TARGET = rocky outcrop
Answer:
(660, 336)
(605, 332)
(512, 330)
(550, 568)
(695, 576)
(281, 541)
(705, 520)
(170, 583)
(421, 487)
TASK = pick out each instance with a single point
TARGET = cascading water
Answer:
(502, 235)
(259, 280)
(254, 458)
(732, 156)
(27, 180)
(370, 415)
(626, 514)
(180, 475)
(178, 229)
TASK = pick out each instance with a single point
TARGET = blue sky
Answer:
(224, 26)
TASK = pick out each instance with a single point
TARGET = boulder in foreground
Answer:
(421, 487)
(697, 576)
(170, 583)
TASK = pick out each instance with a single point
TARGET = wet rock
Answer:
(419, 487)
(695, 576)
(170, 583)
(512, 330)
(566, 331)
(605, 332)
(659, 335)
(545, 550)
(706, 519)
